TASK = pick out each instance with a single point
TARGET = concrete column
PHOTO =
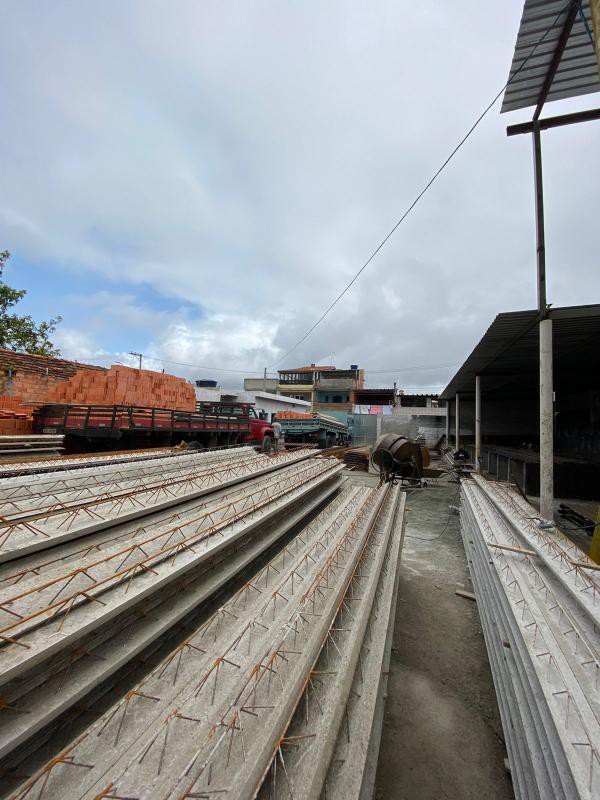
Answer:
(546, 422)
(456, 422)
(478, 423)
(448, 423)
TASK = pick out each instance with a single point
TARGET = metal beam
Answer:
(590, 115)
(553, 66)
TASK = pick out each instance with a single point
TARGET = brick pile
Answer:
(15, 418)
(121, 385)
(31, 377)
(293, 415)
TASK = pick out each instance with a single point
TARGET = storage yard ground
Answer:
(442, 736)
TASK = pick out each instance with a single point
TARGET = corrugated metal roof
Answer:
(507, 357)
(577, 72)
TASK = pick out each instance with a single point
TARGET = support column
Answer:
(546, 422)
(478, 423)
(546, 380)
(448, 423)
(456, 422)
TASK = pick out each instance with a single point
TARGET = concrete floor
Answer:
(442, 736)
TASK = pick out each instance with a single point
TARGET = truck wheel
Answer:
(330, 441)
(267, 445)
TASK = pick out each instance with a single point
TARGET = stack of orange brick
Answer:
(125, 386)
(15, 419)
(293, 415)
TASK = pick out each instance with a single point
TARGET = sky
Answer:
(197, 180)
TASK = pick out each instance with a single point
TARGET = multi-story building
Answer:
(329, 389)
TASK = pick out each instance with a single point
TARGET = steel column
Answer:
(456, 421)
(539, 220)
(478, 423)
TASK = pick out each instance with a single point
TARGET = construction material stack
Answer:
(118, 679)
(538, 597)
(124, 386)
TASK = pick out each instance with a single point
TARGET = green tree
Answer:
(22, 333)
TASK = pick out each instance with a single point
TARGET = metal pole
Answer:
(478, 423)
(546, 380)
(546, 422)
(539, 220)
(456, 422)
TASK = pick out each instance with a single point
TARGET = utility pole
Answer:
(265, 380)
(138, 355)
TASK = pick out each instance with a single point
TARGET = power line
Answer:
(436, 174)
(413, 368)
(409, 369)
(180, 363)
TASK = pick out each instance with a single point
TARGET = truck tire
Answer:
(267, 444)
(330, 440)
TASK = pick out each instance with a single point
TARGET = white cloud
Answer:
(76, 345)
(246, 158)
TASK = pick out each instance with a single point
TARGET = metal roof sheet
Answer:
(507, 355)
(577, 72)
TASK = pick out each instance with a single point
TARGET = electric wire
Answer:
(423, 191)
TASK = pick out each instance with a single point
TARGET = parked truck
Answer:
(101, 427)
(316, 429)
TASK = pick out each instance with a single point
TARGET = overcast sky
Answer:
(198, 180)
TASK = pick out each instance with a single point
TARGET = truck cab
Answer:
(261, 431)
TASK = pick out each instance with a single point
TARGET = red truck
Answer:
(261, 431)
(99, 426)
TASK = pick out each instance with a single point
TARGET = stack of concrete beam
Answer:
(83, 462)
(41, 513)
(262, 690)
(539, 601)
(24, 446)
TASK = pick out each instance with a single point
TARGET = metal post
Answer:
(546, 422)
(478, 423)
(448, 423)
(456, 422)
(539, 219)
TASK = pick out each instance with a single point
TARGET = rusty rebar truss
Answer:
(143, 555)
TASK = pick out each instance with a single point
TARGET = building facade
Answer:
(329, 389)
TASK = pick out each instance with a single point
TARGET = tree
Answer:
(22, 333)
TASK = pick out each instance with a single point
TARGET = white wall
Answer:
(263, 401)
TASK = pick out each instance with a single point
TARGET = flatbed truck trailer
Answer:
(322, 431)
(138, 426)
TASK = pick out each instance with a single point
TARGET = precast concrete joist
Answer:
(48, 693)
(353, 765)
(333, 707)
(201, 673)
(62, 464)
(46, 617)
(539, 605)
(31, 531)
(87, 479)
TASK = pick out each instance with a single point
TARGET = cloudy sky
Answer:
(197, 180)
